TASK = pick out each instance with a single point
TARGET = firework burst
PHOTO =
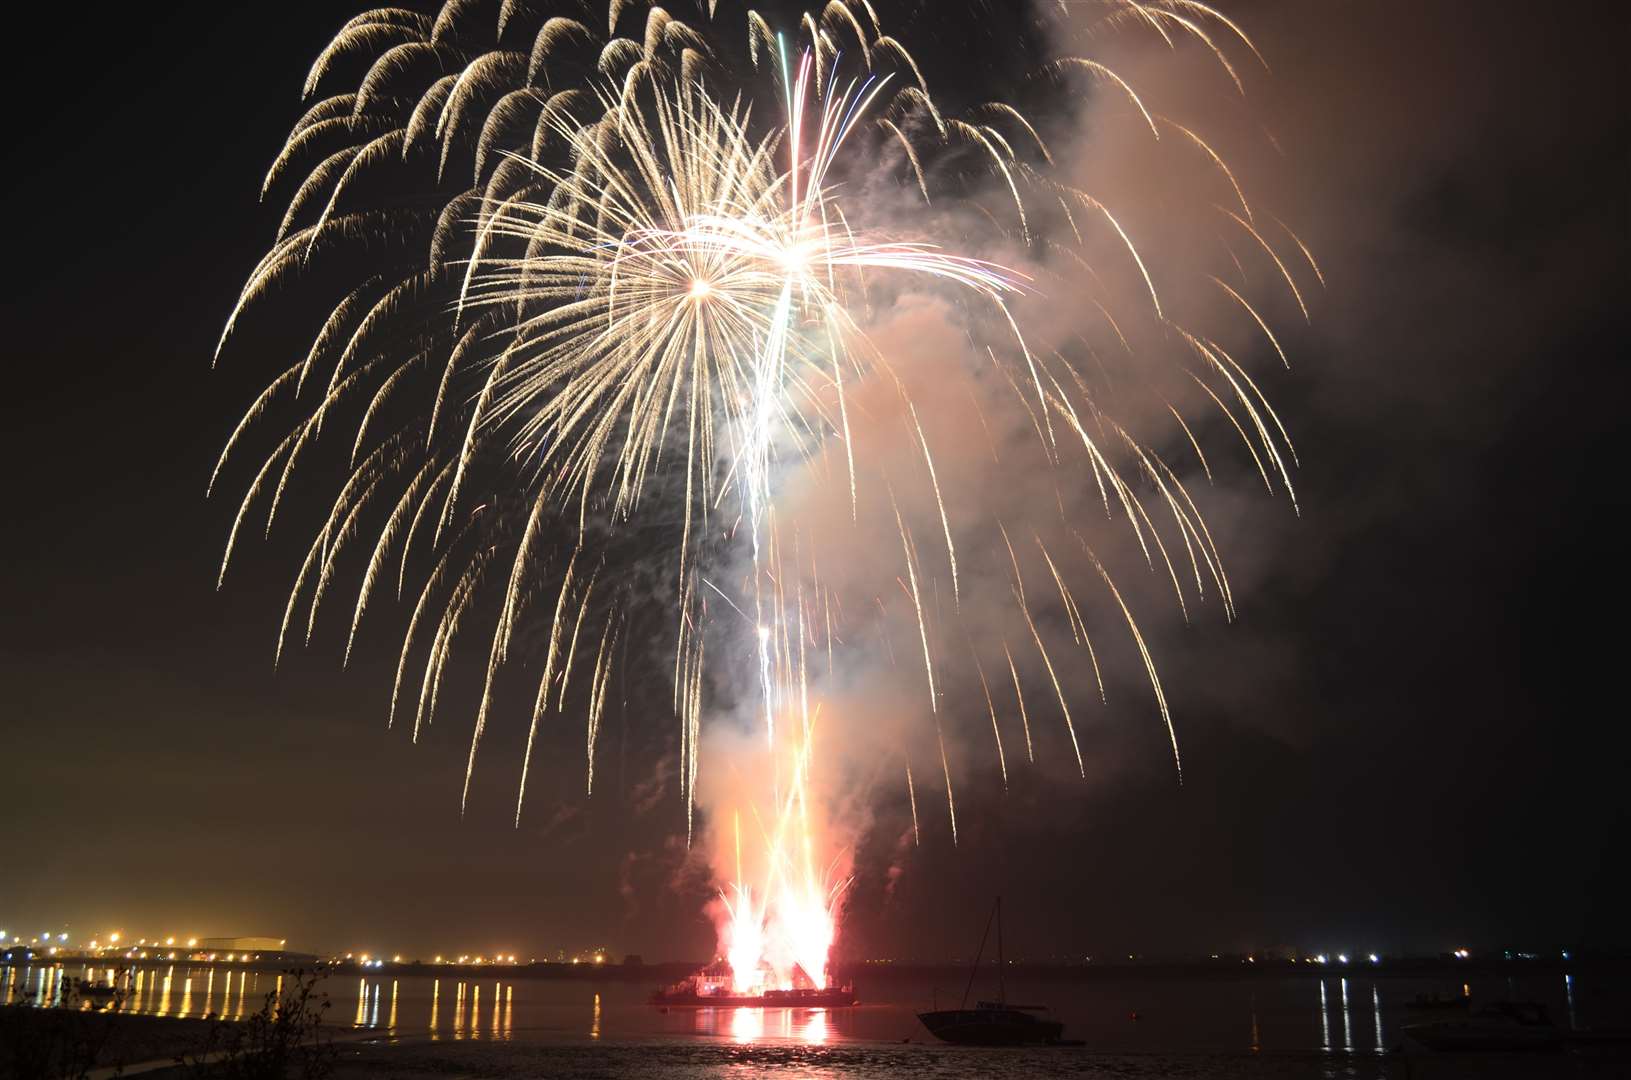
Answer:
(653, 300)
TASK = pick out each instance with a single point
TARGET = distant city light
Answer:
(1373, 958)
(1320, 959)
(1342, 958)
(1461, 954)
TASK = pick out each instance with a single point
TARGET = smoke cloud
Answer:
(1263, 240)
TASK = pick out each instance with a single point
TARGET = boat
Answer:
(993, 1023)
(826, 997)
(712, 988)
(1498, 1026)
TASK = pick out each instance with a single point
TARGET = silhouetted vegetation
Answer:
(284, 1039)
(67, 1033)
(62, 1034)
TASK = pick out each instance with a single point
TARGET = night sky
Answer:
(1414, 739)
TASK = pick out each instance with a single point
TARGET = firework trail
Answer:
(649, 306)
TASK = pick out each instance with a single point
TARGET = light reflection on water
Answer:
(1325, 1020)
(1347, 1021)
(747, 1025)
(1264, 1015)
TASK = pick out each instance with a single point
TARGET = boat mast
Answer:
(1002, 993)
(995, 916)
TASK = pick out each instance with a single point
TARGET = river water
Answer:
(1131, 1025)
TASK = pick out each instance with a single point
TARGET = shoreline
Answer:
(671, 971)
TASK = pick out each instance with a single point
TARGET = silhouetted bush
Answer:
(63, 1038)
(284, 1039)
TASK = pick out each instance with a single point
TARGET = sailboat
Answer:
(992, 1023)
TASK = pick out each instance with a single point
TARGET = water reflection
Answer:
(1325, 1020)
(1347, 1023)
(178, 990)
(811, 1027)
(467, 1017)
(164, 1002)
(747, 1025)
(1206, 1014)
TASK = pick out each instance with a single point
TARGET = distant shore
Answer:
(674, 970)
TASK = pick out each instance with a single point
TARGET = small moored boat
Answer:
(992, 1023)
(1499, 1026)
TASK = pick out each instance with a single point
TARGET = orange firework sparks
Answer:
(777, 929)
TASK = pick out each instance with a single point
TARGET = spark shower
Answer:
(612, 358)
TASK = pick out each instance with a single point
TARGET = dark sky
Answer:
(1422, 744)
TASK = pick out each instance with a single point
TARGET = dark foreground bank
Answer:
(82, 1030)
(97, 1045)
(52, 1042)
(411, 1059)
